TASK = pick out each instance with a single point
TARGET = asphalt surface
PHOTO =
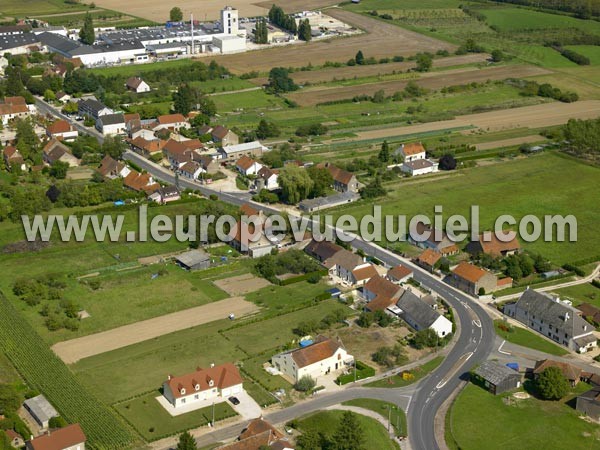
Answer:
(474, 336)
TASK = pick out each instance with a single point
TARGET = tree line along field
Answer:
(538, 185)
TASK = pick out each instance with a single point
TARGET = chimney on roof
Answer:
(169, 377)
(566, 316)
(212, 365)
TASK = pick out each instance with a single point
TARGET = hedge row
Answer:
(362, 371)
(303, 277)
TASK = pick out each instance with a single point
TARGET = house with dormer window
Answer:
(204, 384)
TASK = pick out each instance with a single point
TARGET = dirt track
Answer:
(510, 142)
(348, 72)
(537, 116)
(242, 284)
(381, 40)
(430, 80)
(75, 349)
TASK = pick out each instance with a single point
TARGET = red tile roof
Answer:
(399, 272)
(365, 273)
(222, 376)
(569, 371)
(322, 348)
(258, 426)
(245, 162)
(495, 247)
(414, 148)
(429, 257)
(469, 272)
(60, 126)
(168, 119)
(249, 210)
(59, 439)
(382, 287)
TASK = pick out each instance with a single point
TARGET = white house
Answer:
(171, 122)
(191, 170)
(248, 166)
(419, 167)
(203, 384)
(411, 152)
(419, 315)
(13, 107)
(349, 268)
(111, 124)
(61, 129)
(70, 437)
(323, 357)
(268, 179)
(137, 85)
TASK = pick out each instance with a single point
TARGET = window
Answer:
(196, 397)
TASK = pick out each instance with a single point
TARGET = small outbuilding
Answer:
(193, 260)
(41, 410)
(497, 378)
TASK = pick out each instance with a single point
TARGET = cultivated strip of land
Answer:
(75, 349)
(536, 116)
(429, 80)
(509, 142)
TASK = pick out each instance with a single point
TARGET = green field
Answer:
(513, 19)
(257, 99)
(591, 51)
(537, 185)
(397, 416)
(368, 5)
(18, 8)
(526, 338)
(140, 69)
(376, 437)
(418, 373)
(147, 416)
(480, 420)
(581, 293)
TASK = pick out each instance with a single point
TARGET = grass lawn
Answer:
(139, 69)
(254, 367)
(259, 394)
(418, 373)
(397, 418)
(222, 85)
(538, 185)
(526, 338)
(581, 293)
(375, 434)
(280, 299)
(480, 420)
(257, 99)
(368, 5)
(513, 19)
(151, 420)
(269, 334)
(18, 8)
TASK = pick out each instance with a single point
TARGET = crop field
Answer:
(42, 370)
(591, 51)
(101, 18)
(479, 419)
(381, 40)
(430, 80)
(350, 72)
(537, 185)
(20, 8)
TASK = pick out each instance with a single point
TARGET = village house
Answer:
(70, 437)
(40, 410)
(343, 181)
(322, 251)
(171, 122)
(140, 182)
(411, 152)
(267, 179)
(419, 167)
(242, 239)
(399, 274)
(420, 315)
(61, 129)
(554, 319)
(424, 236)
(571, 373)
(231, 153)
(63, 97)
(204, 384)
(208, 163)
(165, 194)
(15, 439)
(110, 168)
(13, 158)
(588, 403)
(344, 268)
(178, 153)
(325, 356)
(92, 108)
(475, 280)
(489, 244)
(12, 108)
(428, 259)
(380, 293)
(590, 313)
(259, 434)
(496, 378)
(196, 259)
(223, 136)
(248, 166)
(55, 150)
(137, 85)
(111, 124)
(146, 147)
(190, 170)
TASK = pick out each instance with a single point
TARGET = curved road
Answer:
(474, 340)
(474, 334)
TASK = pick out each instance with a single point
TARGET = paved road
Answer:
(46, 108)
(474, 336)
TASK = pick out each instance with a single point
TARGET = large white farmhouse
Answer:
(203, 384)
(323, 357)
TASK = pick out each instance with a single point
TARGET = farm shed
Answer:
(496, 377)
(193, 260)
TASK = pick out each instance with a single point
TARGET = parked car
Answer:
(234, 400)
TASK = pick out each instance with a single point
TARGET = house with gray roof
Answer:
(553, 318)
(93, 108)
(588, 403)
(41, 410)
(496, 378)
(420, 315)
(193, 260)
(111, 124)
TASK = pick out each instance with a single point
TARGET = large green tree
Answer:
(349, 434)
(86, 34)
(176, 15)
(384, 153)
(322, 181)
(186, 442)
(10, 399)
(261, 33)
(280, 81)
(551, 384)
(304, 31)
(295, 183)
(583, 136)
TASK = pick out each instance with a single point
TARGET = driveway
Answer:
(247, 408)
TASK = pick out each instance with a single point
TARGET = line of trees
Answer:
(278, 17)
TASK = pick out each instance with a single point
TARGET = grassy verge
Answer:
(528, 339)
(417, 373)
(397, 416)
